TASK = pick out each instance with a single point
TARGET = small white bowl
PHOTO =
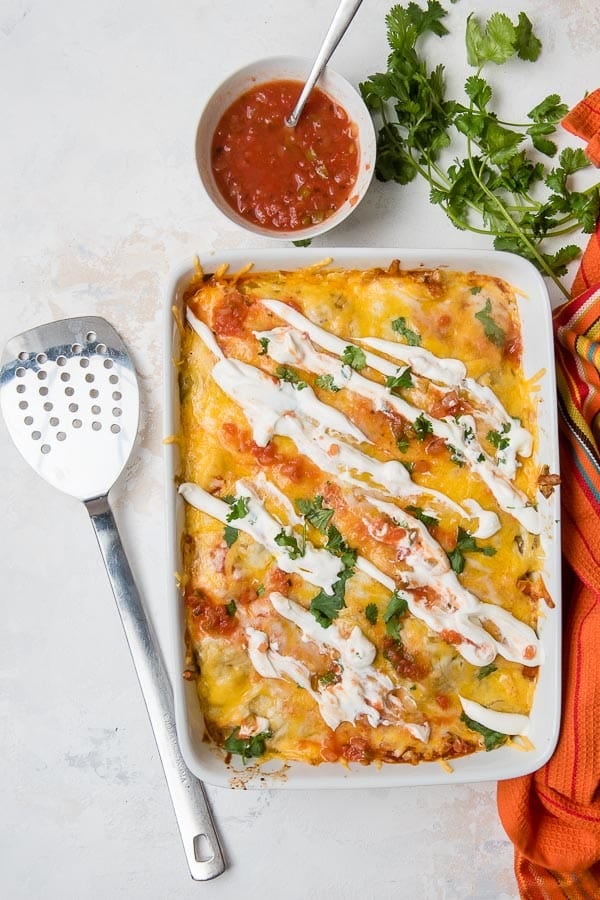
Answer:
(293, 68)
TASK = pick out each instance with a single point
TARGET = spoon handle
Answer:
(339, 24)
(200, 839)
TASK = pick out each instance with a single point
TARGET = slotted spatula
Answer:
(70, 398)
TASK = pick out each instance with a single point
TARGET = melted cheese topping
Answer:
(282, 415)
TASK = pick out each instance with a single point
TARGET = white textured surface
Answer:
(100, 200)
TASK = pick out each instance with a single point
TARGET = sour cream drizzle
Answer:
(455, 610)
(318, 567)
(505, 723)
(460, 434)
(276, 407)
(453, 373)
(361, 691)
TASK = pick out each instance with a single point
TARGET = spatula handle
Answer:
(200, 840)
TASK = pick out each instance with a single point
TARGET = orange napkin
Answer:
(553, 815)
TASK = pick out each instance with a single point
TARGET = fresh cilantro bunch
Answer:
(501, 187)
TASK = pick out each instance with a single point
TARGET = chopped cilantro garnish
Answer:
(422, 426)
(371, 613)
(315, 513)
(400, 327)
(486, 670)
(239, 508)
(327, 383)
(466, 543)
(354, 357)
(287, 374)
(497, 440)
(247, 747)
(326, 607)
(396, 608)
(290, 543)
(264, 344)
(456, 455)
(491, 739)
(402, 380)
(493, 332)
(402, 444)
(476, 289)
(328, 677)
(231, 607)
(230, 535)
(260, 590)
(423, 517)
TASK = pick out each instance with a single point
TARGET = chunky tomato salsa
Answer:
(280, 177)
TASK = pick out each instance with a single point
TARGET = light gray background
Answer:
(99, 202)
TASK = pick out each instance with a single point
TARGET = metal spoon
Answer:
(70, 398)
(344, 14)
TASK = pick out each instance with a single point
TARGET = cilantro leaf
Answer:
(302, 242)
(466, 543)
(327, 383)
(326, 607)
(401, 380)
(498, 440)
(231, 608)
(396, 608)
(230, 535)
(254, 746)
(491, 739)
(527, 45)
(559, 261)
(493, 332)
(417, 512)
(479, 91)
(287, 374)
(315, 513)
(371, 613)
(550, 109)
(412, 338)
(494, 43)
(264, 345)
(422, 426)
(289, 543)
(239, 508)
(486, 670)
(354, 357)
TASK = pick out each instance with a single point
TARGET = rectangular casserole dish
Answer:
(206, 760)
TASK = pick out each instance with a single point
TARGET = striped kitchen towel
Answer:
(553, 815)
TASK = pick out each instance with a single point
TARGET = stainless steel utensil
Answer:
(339, 25)
(70, 398)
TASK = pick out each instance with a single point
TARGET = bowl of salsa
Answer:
(278, 181)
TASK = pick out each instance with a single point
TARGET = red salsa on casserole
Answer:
(279, 177)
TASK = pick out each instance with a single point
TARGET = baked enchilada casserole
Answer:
(361, 556)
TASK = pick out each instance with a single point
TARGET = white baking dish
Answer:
(207, 761)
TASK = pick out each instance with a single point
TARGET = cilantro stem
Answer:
(506, 215)
(513, 225)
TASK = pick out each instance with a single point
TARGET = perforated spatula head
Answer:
(70, 398)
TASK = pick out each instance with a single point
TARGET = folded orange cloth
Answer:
(553, 815)
(584, 121)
